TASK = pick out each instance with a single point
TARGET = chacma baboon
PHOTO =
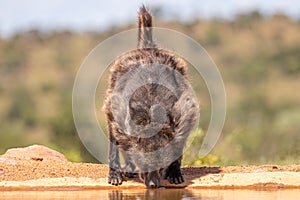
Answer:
(150, 110)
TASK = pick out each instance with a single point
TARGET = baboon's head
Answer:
(151, 179)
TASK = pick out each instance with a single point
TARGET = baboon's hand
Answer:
(174, 175)
(115, 177)
(129, 174)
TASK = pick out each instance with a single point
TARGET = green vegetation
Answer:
(258, 58)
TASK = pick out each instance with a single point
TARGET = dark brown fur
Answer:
(181, 112)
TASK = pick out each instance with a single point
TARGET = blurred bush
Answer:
(192, 157)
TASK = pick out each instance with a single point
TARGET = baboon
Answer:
(143, 120)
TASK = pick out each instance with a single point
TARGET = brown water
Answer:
(157, 194)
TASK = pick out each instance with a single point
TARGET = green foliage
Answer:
(213, 36)
(47, 87)
(62, 125)
(12, 135)
(73, 154)
(248, 17)
(287, 59)
(252, 71)
(64, 132)
(22, 108)
(192, 156)
(13, 57)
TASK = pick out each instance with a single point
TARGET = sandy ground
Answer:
(37, 167)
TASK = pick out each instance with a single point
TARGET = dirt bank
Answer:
(38, 167)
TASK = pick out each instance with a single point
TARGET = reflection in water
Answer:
(151, 194)
(155, 194)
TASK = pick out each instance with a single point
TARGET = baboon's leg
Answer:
(129, 168)
(115, 176)
(173, 172)
(186, 115)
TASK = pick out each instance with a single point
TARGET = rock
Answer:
(35, 152)
(8, 161)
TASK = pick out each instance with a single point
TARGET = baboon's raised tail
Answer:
(145, 39)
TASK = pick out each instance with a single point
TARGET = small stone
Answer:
(37, 159)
